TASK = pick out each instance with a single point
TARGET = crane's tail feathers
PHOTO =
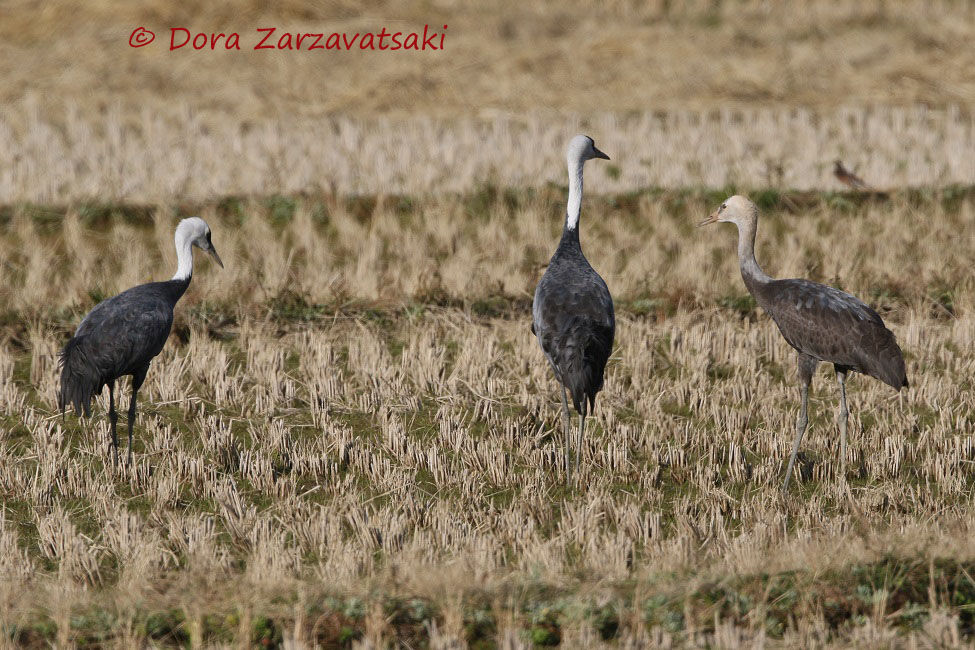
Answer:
(79, 377)
(890, 369)
(881, 358)
(582, 364)
(894, 375)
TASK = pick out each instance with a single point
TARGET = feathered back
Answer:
(835, 327)
(119, 337)
(573, 318)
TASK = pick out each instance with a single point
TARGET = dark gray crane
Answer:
(122, 335)
(572, 313)
(823, 324)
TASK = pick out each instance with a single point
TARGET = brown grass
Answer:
(71, 156)
(352, 440)
(325, 452)
(306, 255)
(582, 57)
(742, 92)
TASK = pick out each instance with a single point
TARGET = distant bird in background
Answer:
(848, 178)
(122, 335)
(823, 324)
(572, 313)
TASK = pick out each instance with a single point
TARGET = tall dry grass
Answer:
(151, 157)
(296, 477)
(421, 458)
(309, 255)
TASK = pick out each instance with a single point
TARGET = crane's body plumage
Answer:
(573, 319)
(121, 336)
(572, 312)
(821, 323)
(834, 327)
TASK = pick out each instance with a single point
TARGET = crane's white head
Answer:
(737, 210)
(582, 148)
(192, 231)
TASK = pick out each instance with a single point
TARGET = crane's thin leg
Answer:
(565, 430)
(843, 417)
(800, 430)
(807, 365)
(113, 418)
(137, 380)
(582, 426)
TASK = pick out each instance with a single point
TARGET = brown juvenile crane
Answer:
(823, 324)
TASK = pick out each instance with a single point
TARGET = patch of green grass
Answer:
(742, 304)
(168, 626)
(41, 632)
(292, 306)
(899, 586)
(281, 209)
(266, 633)
(605, 620)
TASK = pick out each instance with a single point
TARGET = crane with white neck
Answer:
(823, 324)
(572, 313)
(121, 335)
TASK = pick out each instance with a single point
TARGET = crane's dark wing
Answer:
(118, 337)
(574, 322)
(832, 326)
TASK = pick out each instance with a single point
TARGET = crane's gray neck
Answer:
(751, 272)
(575, 194)
(184, 258)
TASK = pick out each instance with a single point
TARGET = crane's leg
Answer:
(565, 430)
(843, 417)
(113, 418)
(137, 380)
(582, 426)
(807, 366)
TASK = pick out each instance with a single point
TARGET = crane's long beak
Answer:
(600, 154)
(713, 217)
(213, 254)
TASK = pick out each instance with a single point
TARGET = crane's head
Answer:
(196, 231)
(737, 210)
(582, 148)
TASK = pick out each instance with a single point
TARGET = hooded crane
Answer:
(823, 324)
(121, 335)
(572, 313)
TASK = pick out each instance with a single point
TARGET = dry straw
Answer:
(155, 157)
(418, 451)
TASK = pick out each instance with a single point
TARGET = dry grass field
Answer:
(353, 439)
(692, 93)
(699, 93)
(147, 157)
(579, 56)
